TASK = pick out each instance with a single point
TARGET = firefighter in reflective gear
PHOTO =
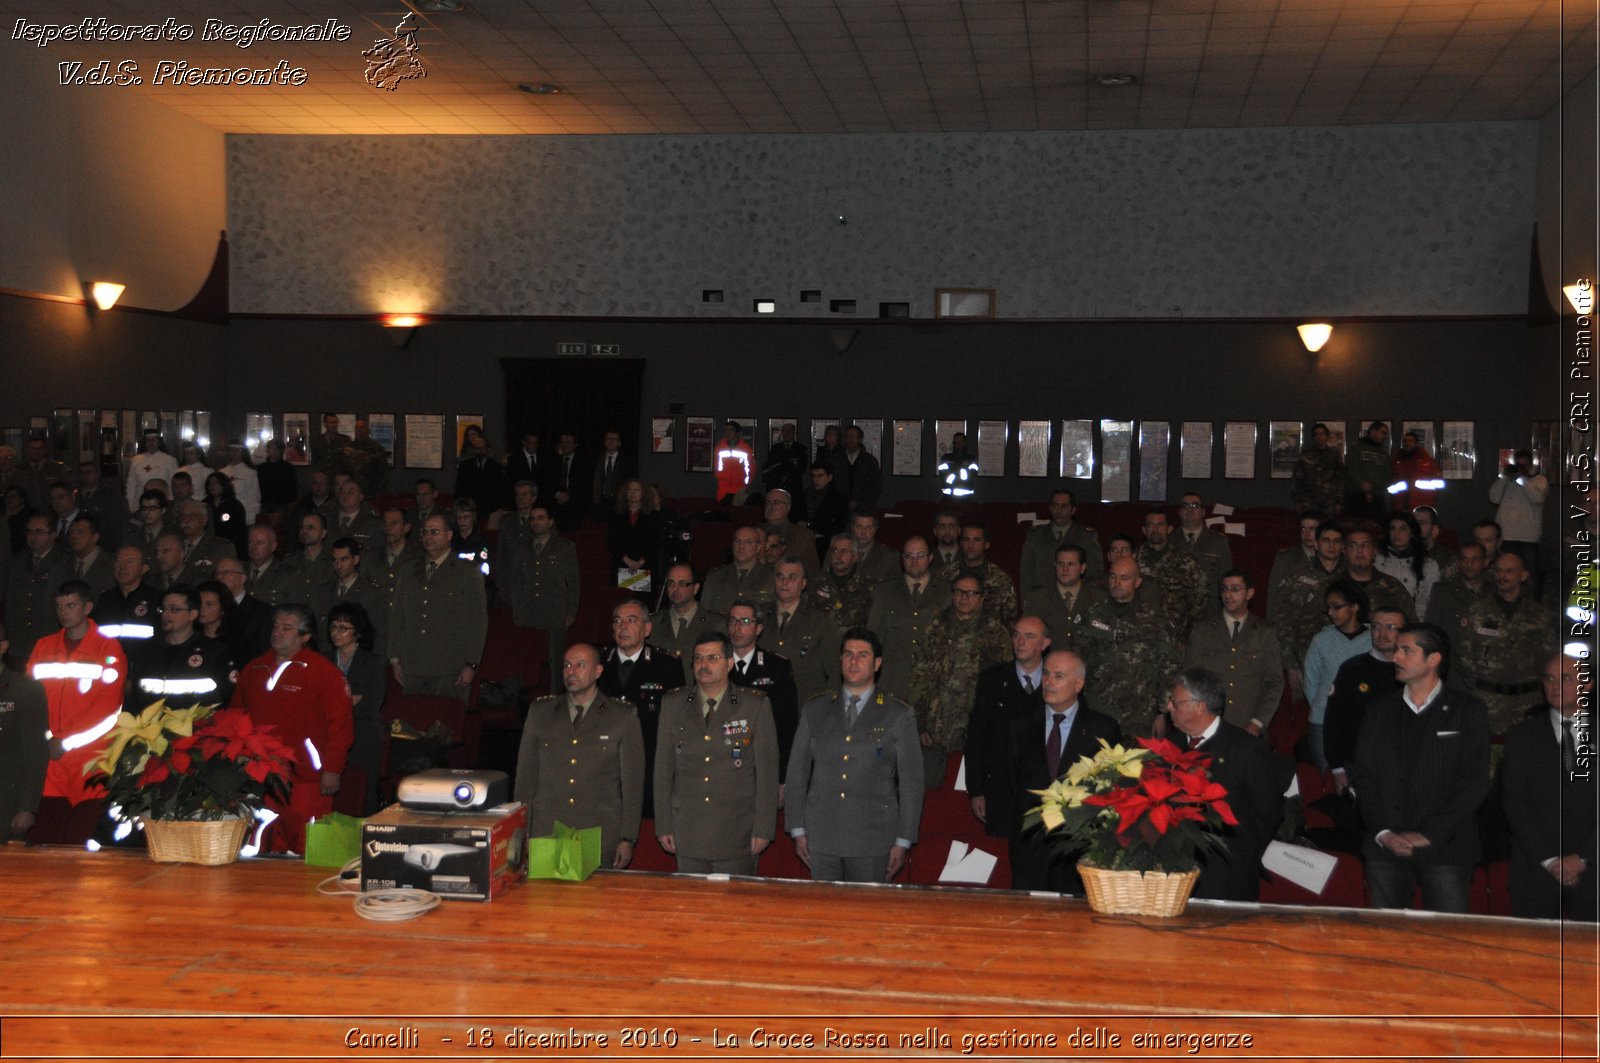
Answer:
(82, 672)
(735, 465)
(183, 666)
(958, 470)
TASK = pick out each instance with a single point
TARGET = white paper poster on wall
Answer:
(1077, 449)
(992, 439)
(1196, 448)
(1239, 450)
(907, 448)
(425, 440)
(1116, 460)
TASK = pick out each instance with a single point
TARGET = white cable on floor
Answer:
(380, 906)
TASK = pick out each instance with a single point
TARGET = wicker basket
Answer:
(1137, 892)
(189, 841)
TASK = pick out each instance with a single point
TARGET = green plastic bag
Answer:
(566, 854)
(333, 841)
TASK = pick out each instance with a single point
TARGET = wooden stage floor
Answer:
(110, 956)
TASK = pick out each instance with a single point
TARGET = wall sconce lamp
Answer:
(103, 294)
(400, 327)
(1580, 296)
(1314, 335)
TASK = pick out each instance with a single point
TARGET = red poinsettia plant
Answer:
(1142, 809)
(195, 763)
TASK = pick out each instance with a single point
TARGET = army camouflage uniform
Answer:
(1318, 481)
(1500, 657)
(1182, 582)
(1130, 658)
(1383, 591)
(845, 599)
(944, 679)
(999, 593)
(943, 570)
(1303, 610)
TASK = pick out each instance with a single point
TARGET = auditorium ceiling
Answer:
(843, 66)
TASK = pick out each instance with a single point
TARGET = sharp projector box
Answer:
(458, 855)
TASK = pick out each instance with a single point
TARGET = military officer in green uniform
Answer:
(1128, 651)
(1067, 600)
(367, 461)
(959, 645)
(1302, 602)
(1181, 580)
(24, 751)
(684, 619)
(1039, 549)
(440, 619)
(801, 631)
(716, 784)
(902, 610)
(840, 590)
(545, 594)
(582, 760)
(1381, 589)
(746, 576)
(1319, 475)
(30, 591)
(1504, 641)
(999, 593)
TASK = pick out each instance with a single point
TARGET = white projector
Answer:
(453, 790)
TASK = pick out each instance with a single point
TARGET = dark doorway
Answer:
(585, 396)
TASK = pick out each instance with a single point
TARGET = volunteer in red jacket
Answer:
(735, 465)
(83, 673)
(303, 697)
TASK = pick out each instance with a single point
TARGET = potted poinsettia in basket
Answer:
(1138, 816)
(194, 777)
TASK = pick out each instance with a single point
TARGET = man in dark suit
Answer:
(764, 670)
(570, 485)
(787, 463)
(1245, 767)
(866, 832)
(250, 632)
(612, 469)
(1039, 738)
(1421, 771)
(1005, 691)
(528, 462)
(640, 674)
(1547, 782)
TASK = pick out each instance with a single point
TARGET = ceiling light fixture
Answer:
(104, 294)
(1116, 81)
(543, 88)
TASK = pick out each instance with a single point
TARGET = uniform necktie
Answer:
(429, 570)
(852, 710)
(1233, 630)
(1052, 748)
(783, 622)
(682, 623)
(82, 567)
(744, 668)
(711, 706)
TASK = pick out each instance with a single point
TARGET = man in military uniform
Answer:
(865, 833)
(268, 576)
(1209, 549)
(354, 519)
(840, 591)
(367, 461)
(310, 567)
(168, 570)
(1129, 653)
(182, 665)
(798, 540)
(1318, 475)
(901, 612)
(1303, 609)
(1360, 549)
(327, 453)
(747, 576)
(103, 501)
(1432, 548)
(1368, 472)
(640, 675)
(945, 563)
(875, 561)
(1063, 604)
(764, 671)
(999, 593)
(1175, 574)
(676, 627)
(150, 522)
(24, 752)
(396, 555)
(1239, 646)
(426, 493)
(1291, 560)
(201, 549)
(31, 591)
(1504, 641)
(800, 631)
(591, 740)
(1039, 548)
(717, 782)
(440, 620)
(544, 593)
(959, 646)
(1454, 596)
(350, 585)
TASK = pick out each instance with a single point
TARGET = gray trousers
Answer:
(699, 865)
(826, 867)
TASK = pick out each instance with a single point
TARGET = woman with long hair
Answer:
(227, 512)
(1404, 556)
(350, 634)
(633, 530)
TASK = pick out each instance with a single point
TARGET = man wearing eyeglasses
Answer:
(440, 619)
(716, 785)
(767, 672)
(641, 675)
(684, 619)
(182, 666)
